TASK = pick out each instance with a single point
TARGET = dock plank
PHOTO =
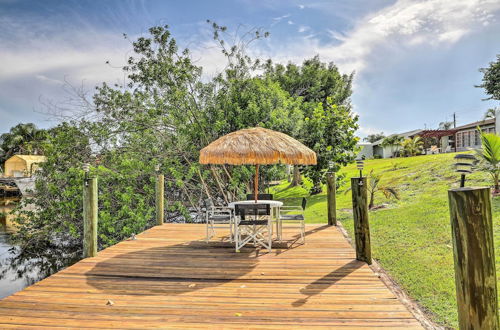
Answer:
(169, 277)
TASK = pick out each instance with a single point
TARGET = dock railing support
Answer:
(331, 198)
(360, 213)
(474, 258)
(90, 208)
(160, 199)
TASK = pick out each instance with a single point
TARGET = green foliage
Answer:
(412, 146)
(164, 114)
(393, 141)
(329, 124)
(491, 79)
(22, 139)
(374, 186)
(489, 154)
(490, 113)
(445, 125)
(374, 137)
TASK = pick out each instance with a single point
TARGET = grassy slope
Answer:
(411, 238)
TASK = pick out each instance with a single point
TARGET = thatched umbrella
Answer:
(257, 146)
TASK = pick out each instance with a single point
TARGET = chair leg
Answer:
(303, 232)
(207, 237)
(237, 239)
(270, 234)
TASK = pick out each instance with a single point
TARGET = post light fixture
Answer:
(463, 165)
(157, 168)
(331, 166)
(360, 165)
(86, 169)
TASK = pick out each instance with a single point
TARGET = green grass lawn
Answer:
(411, 237)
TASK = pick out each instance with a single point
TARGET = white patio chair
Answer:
(218, 217)
(253, 224)
(294, 215)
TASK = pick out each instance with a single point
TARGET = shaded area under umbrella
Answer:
(257, 146)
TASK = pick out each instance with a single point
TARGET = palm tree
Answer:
(490, 113)
(489, 154)
(412, 147)
(374, 186)
(392, 141)
(22, 139)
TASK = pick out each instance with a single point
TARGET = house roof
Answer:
(30, 158)
(403, 135)
(477, 123)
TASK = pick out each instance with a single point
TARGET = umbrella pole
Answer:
(256, 183)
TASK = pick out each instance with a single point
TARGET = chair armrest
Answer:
(220, 210)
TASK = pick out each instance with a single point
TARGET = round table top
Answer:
(272, 203)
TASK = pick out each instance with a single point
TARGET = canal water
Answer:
(10, 280)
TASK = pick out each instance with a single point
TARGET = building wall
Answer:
(15, 167)
(366, 151)
(497, 122)
(378, 151)
(22, 165)
(470, 138)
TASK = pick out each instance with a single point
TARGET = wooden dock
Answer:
(169, 277)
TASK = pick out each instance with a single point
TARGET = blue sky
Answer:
(416, 62)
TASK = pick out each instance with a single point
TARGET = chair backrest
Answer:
(304, 203)
(252, 209)
(268, 197)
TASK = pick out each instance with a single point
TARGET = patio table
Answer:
(275, 207)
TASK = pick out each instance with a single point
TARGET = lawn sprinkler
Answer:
(463, 165)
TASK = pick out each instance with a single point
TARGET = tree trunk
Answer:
(297, 178)
(372, 200)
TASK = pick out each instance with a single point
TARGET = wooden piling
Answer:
(360, 214)
(160, 199)
(474, 257)
(90, 204)
(331, 199)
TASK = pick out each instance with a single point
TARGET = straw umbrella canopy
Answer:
(257, 146)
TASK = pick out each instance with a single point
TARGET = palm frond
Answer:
(390, 192)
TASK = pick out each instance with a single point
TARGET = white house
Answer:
(366, 150)
(388, 151)
(467, 136)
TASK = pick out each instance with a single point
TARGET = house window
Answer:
(458, 139)
(477, 138)
(465, 142)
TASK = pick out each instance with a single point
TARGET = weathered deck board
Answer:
(171, 278)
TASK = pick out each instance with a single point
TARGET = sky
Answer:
(415, 62)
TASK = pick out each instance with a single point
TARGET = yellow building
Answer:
(22, 165)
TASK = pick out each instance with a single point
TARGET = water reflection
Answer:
(11, 280)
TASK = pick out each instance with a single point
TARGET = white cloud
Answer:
(412, 23)
(302, 6)
(44, 78)
(41, 52)
(406, 23)
(304, 28)
(290, 22)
